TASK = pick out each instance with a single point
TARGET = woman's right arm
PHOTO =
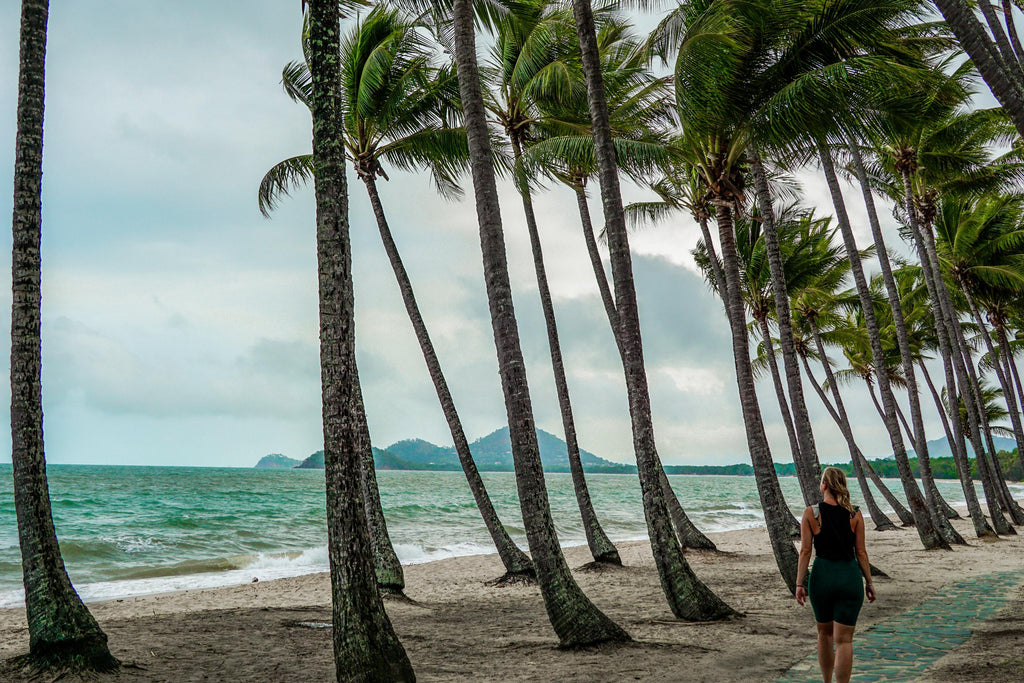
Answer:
(806, 543)
(862, 555)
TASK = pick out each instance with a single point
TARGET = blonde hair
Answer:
(835, 481)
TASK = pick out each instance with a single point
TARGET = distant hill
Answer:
(382, 460)
(939, 448)
(493, 453)
(276, 461)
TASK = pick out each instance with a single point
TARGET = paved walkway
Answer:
(901, 648)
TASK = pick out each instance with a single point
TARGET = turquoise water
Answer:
(135, 530)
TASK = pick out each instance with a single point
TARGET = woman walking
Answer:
(841, 576)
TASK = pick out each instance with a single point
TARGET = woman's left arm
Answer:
(862, 555)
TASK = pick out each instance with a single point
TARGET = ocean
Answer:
(137, 530)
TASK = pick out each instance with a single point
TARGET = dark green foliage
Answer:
(276, 461)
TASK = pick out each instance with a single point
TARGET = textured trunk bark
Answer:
(515, 560)
(575, 619)
(775, 509)
(808, 468)
(689, 536)
(924, 515)
(1010, 372)
(780, 394)
(958, 446)
(365, 644)
(688, 597)
(601, 548)
(1006, 501)
(947, 324)
(1005, 383)
(386, 566)
(1003, 48)
(882, 523)
(63, 635)
(978, 46)
(1011, 29)
(917, 434)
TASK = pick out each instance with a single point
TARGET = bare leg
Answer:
(826, 658)
(844, 651)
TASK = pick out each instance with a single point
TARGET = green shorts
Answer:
(836, 590)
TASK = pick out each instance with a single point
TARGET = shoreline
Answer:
(458, 627)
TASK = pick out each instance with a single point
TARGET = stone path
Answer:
(901, 648)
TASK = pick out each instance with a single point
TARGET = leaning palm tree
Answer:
(63, 635)
(365, 644)
(572, 152)
(998, 59)
(576, 620)
(563, 150)
(397, 111)
(533, 59)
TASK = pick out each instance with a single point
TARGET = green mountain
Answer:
(382, 460)
(493, 453)
(276, 461)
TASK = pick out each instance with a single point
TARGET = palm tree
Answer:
(63, 635)
(365, 644)
(688, 597)
(532, 59)
(564, 151)
(1001, 71)
(576, 620)
(396, 110)
(917, 435)
(980, 244)
(946, 149)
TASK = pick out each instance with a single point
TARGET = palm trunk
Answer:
(63, 635)
(947, 324)
(917, 435)
(601, 548)
(808, 469)
(1006, 500)
(780, 394)
(935, 288)
(515, 560)
(882, 523)
(575, 619)
(365, 644)
(1007, 356)
(775, 509)
(1003, 48)
(950, 512)
(924, 515)
(386, 565)
(1011, 29)
(978, 46)
(687, 596)
(688, 535)
(1004, 381)
(906, 425)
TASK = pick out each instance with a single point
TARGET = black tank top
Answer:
(835, 539)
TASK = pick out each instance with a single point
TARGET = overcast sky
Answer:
(180, 328)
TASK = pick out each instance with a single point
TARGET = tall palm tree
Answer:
(1002, 73)
(576, 620)
(688, 597)
(564, 151)
(397, 110)
(365, 644)
(63, 635)
(981, 244)
(532, 59)
(946, 149)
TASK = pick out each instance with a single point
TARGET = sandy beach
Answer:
(460, 629)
